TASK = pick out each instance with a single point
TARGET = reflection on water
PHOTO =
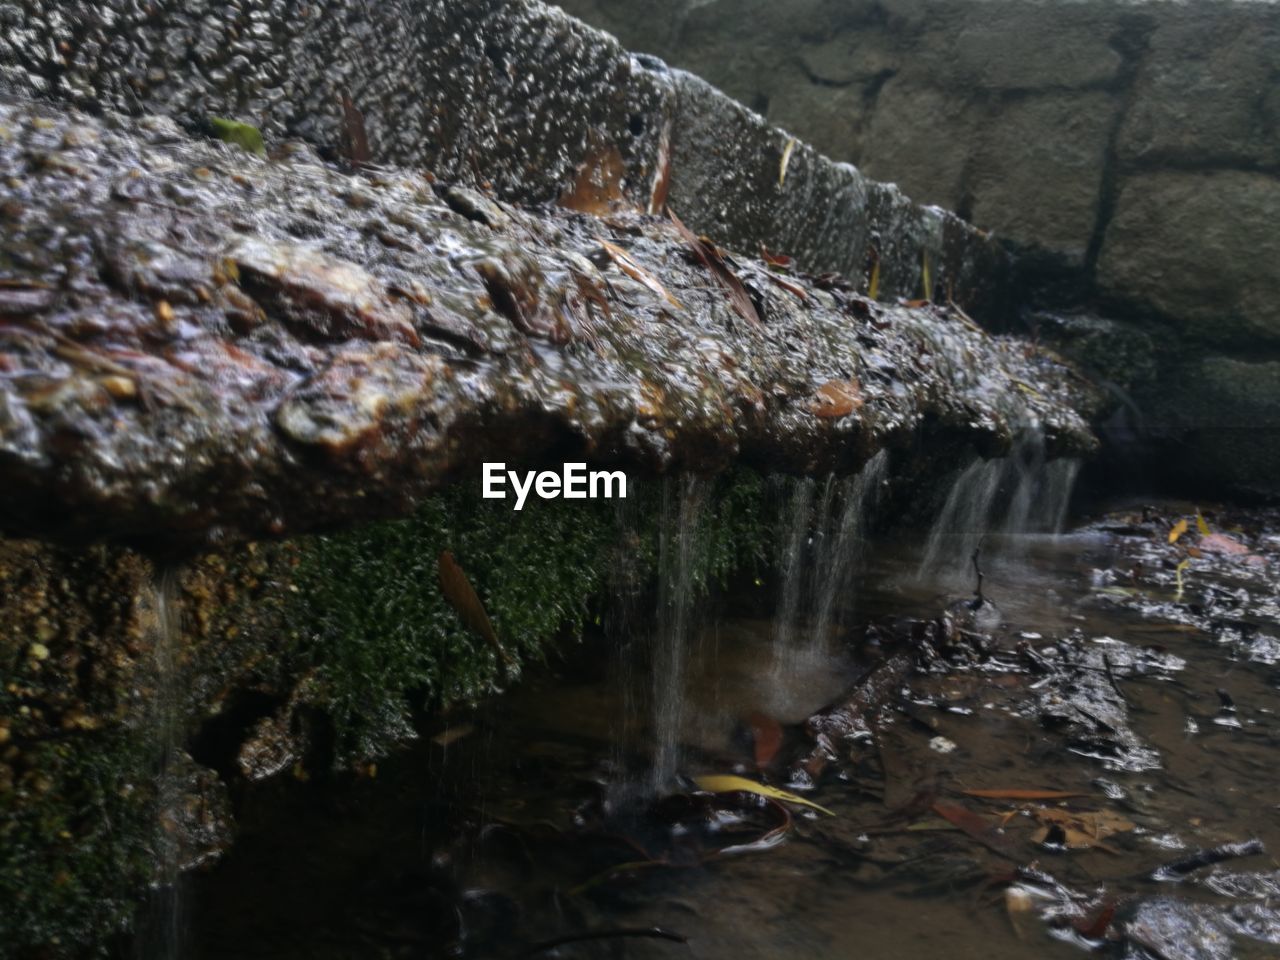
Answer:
(515, 838)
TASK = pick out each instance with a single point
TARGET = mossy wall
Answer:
(351, 625)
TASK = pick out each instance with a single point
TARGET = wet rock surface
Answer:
(201, 343)
(509, 93)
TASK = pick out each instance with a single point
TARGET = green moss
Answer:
(76, 839)
(385, 642)
(243, 135)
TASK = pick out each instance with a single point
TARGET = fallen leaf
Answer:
(766, 733)
(977, 827)
(462, 597)
(243, 135)
(711, 258)
(453, 734)
(836, 398)
(727, 783)
(1178, 530)
(791, 288)
(1201, 526)
(873, 284)
(779, 260)
(786, 160)
(926, 277)
(1222, 544)
(1021, 794)
(1080, 830)
(597, 185)
(662, 173)
(1095, 927)
(637, 272)
(354, 140)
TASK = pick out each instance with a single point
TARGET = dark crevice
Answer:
(1131, 40)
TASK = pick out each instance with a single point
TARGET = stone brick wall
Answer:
(1129, 150)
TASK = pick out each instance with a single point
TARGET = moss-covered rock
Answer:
(115, 668)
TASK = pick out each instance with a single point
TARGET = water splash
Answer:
(682, 504)
(841, 546)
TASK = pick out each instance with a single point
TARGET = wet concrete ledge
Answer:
(202, 344)
(515, 94)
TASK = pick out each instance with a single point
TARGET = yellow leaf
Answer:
(1178, 530)
(727, 783)
(925, 278)
(1201, 526)
(873, 285)
(786, 160)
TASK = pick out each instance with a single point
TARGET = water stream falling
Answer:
(822, 543)
(962, 523)
(163, 934)
(795, 529)
(682, 504)
(840, 548)
(1004, 500)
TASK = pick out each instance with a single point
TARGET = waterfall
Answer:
(162, 934)
(841, 546)
(794, 533)
(682, 503)
(1011, 498)
(962, 523)
(1025, 471)
(1055, 501)
(821, 544)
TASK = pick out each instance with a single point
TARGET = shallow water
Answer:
(536, 824)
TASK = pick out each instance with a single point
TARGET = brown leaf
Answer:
(1095, 927)
(462, 597)
(836, 398)
(354, 145)
(1223, 544)
(775, 259)
(977, 827)
(637, 272)
(794, 289)
(662, 175)
(711, 258)
(597, 186)
(766, 732)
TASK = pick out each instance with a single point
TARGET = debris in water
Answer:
(727, 783)
(1178, 869)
